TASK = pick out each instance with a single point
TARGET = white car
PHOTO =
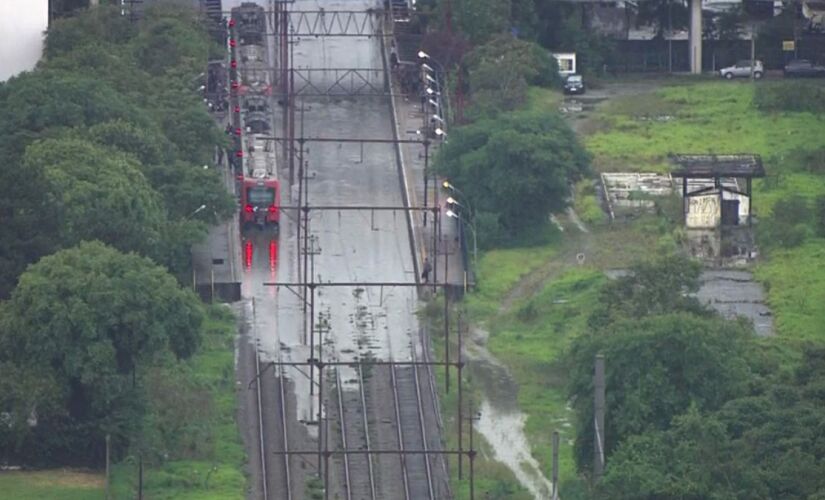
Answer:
(743, 69)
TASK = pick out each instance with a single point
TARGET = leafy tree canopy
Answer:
(90, 318)
(96, 194)
(103, 25)
(764, 445)
(91, 86)
(501, 70)
(656, 367)
(517, 167)
(665, 285)
(482, 19)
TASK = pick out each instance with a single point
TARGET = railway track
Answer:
(416, 468)
(275, 477)
(358, 473)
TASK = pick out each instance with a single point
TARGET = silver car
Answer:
(743, 69)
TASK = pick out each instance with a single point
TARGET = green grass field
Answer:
(57, 484)
(636, 133)
(535, 300)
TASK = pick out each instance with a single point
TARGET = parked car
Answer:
(803, 67)
(574, 84)
(743, 69)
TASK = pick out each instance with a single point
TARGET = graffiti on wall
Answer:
(703, 211)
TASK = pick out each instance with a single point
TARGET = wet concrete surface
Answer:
(734, 293)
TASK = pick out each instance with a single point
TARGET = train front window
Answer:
(260, 196)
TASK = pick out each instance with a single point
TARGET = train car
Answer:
(250, 22)
(260, 188)
(253, 70)
(256, 115)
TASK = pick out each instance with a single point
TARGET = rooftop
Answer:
(709, 166)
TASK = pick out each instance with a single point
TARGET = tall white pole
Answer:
(695, 37)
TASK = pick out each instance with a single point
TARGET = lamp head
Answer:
(423, 55)
(452, 214)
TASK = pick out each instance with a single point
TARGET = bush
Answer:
(518, 168)
(774, 97)
(789, 225)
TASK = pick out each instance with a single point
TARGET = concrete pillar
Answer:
(695, 45)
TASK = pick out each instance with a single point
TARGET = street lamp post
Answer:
(456, 216)
(197, 210)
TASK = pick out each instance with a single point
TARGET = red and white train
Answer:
(260, 190)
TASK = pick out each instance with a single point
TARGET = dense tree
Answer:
(661, 286)
(501, 70)
(517, 166)
(693, 460)
(90, 86)
(764, 445)
(102, 25)
(91, 319)
(44, 102)
(656, 367)
(183, 186)
(482, 19)
(95, 194)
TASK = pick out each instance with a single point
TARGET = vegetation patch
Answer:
(57, 484)
(708, 117)
(794, 280)
(531, 340)
(215, 469)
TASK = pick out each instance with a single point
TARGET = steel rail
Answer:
(425, 341)
(363, 395)
(342, 421)
(284, 428)
(420, 405)
(261, 441)
(399, 433)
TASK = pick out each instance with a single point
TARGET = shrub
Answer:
(775, 97)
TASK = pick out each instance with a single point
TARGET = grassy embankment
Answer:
(535, 300)
(217, 473)
(637, 133)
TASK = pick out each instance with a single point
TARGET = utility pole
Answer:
(598, 410)
(555, 466)
(108, 446)
(670, 36)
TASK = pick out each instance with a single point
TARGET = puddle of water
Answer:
(501, 422)
(504, 431)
